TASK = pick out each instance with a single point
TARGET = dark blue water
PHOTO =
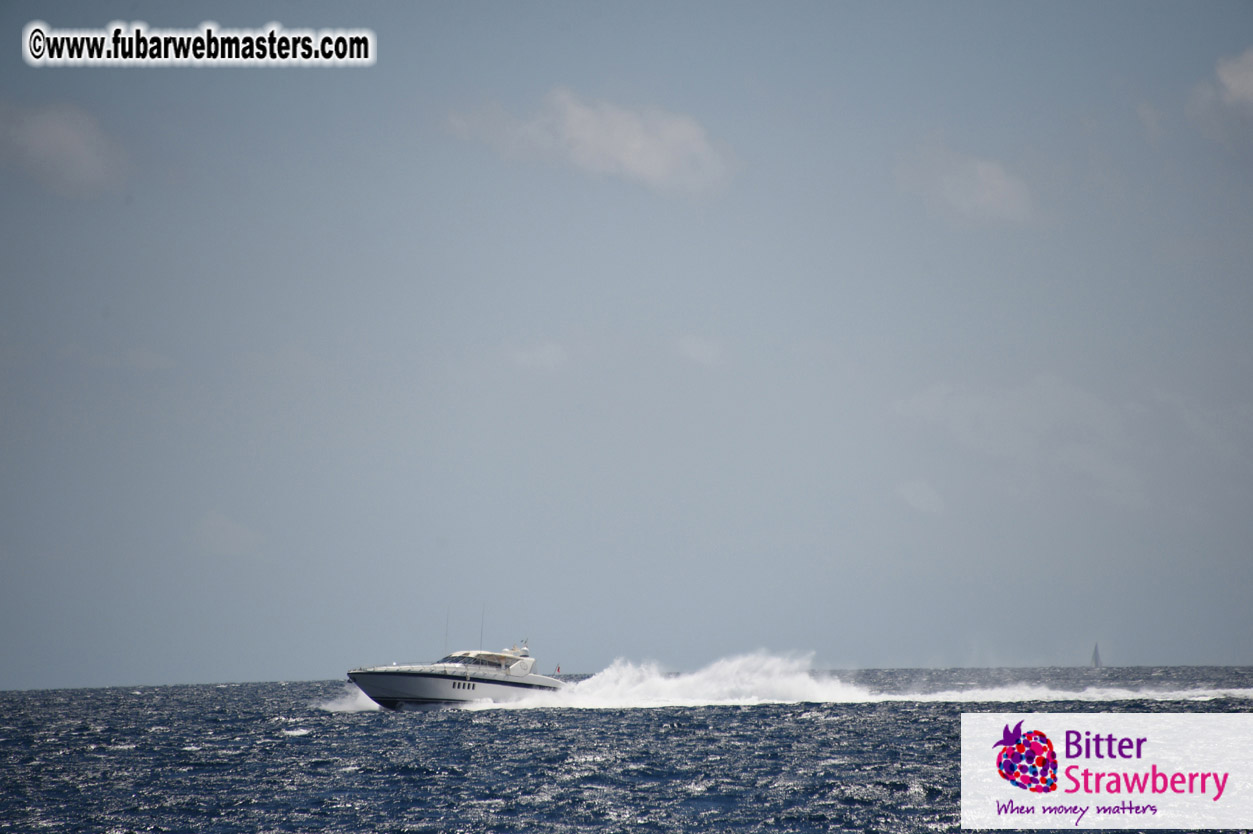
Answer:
(630, 750)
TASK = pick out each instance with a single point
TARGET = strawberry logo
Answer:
(1027, 760)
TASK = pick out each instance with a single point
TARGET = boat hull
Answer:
(397, 688)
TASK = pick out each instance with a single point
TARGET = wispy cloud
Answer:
(1046, 427)
(1224, 104)
(61, 147)
(666, 151)
(969, 188)
(699, 350)
(1235, 79)
(548, 356)
(921, 496)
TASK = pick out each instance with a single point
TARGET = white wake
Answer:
(762, 678)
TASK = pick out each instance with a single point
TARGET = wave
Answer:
(762, 678)
(351, 699)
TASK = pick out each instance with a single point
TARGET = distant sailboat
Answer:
(1096, 656)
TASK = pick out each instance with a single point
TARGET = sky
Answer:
(900, 334)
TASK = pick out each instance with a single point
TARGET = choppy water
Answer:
(748, 744)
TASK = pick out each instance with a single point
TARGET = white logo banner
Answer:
(1107, 770)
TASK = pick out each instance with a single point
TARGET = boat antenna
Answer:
(482, 616)
(447, 616)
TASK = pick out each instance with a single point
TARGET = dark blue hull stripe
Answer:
(471, 679)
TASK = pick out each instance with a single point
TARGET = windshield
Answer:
(468, 661)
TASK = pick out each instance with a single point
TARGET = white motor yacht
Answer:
(460, 677)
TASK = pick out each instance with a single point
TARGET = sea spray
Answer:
(765, 678)
(744, 679)
(756, 678)
(350, 699)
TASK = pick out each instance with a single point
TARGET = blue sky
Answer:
(904, 334)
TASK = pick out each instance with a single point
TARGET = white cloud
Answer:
(701, 351)
(920, 495)
(63, 148)
(1046, 427)
(544, 357)
(966, 187)
(1223, 105)
(666, 151)
(1235, 79)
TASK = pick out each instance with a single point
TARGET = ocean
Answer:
(757, 743)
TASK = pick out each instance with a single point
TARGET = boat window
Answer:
(491, 663)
